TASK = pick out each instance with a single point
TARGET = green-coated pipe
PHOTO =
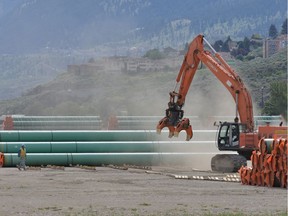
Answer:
(100, 147)
(120, 135)
(154, 118)
(142, 122)
(97, 159)
(79, 147)
(99, 135)
(64, 127)
(33, 147)
(122, 122)
(268, 118)
(55, 123)
(138, 118)
(19, 136)
(55, 118)
(268, 142)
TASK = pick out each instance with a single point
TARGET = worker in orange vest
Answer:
(22, 156)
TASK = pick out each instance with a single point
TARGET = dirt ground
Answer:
(110, 191)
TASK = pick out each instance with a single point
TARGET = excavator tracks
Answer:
(227, 163)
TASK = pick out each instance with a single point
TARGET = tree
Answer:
(169, 51)
(244, 46)
(218, 45)
(242, 49)
(256, 37)
(256, 41)
(154, 54)
(273, 31)
(246, 43)
(277, 104)
(225, 47)
(284, 27)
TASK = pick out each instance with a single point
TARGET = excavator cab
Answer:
(229, 139)
(229, 135)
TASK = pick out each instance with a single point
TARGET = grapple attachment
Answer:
(174, 131)
(164, 122)
(184, 124)
(173, 121)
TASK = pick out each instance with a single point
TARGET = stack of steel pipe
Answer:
(21, 122)
(264, 120)
(77, 135)
(258, 120)
(18, 122)
(269, 164)
(139, 122)
(90, 148)
(149, 122)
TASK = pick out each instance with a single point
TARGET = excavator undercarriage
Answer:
(227, 162)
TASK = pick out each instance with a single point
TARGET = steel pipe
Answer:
(101, 147)
(87, 135)
(55, 118)
(16, 122)
(97, 159)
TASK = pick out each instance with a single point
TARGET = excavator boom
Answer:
(224, 73)
(238, 135)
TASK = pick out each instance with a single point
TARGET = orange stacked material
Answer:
(7, 123)
(1, 159)
(269, 164)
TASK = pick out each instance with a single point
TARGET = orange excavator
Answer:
(239, 134)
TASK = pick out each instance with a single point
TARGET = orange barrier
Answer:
(7, 123)
(255, 159)
(269, 165)
(1, 159)
(242, 172)
(262, 146)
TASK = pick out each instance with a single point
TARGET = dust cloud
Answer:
(205, 105)
(200, 149)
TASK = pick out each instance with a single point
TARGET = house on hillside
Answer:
(272, 46)
(126, 65)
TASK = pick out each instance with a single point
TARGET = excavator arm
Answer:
(224, 73)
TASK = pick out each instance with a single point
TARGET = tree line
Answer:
(241, 49)
(237, 49)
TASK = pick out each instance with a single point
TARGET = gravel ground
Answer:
(108, 191)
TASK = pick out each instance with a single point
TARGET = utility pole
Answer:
(262, 99)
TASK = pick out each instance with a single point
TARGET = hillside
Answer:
(22, 72)
(260, 73)
(99, 91)
(40, 38)
(29, 26)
